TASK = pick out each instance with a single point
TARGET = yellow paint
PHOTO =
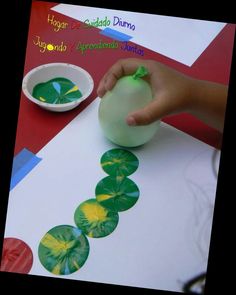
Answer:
(117, 160)
(114, 161)
(90, 235)
(56, 246)
(119, 178)
(75, 88)
(56, 269)
(75, 264)
(94, 212)
(107, 163)
(42, 98)
(103, 197)
(50, 47)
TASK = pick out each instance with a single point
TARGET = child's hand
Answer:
(172, 91)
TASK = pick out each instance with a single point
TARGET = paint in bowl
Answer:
(57, 87)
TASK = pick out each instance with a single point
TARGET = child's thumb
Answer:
(147, 115)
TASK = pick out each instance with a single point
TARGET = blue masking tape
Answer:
(115, 34)
(20, 160)
(23, 163)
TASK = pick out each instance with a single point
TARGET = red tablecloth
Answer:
(36, 127)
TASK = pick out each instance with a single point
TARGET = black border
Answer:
(220, 257)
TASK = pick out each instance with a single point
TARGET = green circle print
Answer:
(119, 162)
(95, 220)
(117, 193)
(63, 250)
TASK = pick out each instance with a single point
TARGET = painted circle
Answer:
(16, 256)
(63, 250)
(95, 220)
(117, 193)
(119, 162)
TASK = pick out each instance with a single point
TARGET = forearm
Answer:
(209, 102)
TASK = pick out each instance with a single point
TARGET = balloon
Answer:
(129, 94)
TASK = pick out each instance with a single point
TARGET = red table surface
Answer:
(36, 126)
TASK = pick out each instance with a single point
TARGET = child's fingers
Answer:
(155, 110)
(101, 90)
(121, 68)
(107, 82)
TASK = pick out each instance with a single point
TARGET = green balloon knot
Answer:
(140, 72)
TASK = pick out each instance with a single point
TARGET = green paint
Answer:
(95, 220)
(63, 250)
(119, 162)
(117, 193)
(57, 91)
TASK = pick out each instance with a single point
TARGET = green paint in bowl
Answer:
(57, 91)
(57, 87)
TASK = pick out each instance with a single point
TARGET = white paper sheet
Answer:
(180, 39)
(167, 229)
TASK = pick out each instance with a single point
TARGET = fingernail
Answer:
(100, 93)
(131, 121)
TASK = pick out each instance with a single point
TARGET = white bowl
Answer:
(49, 71)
